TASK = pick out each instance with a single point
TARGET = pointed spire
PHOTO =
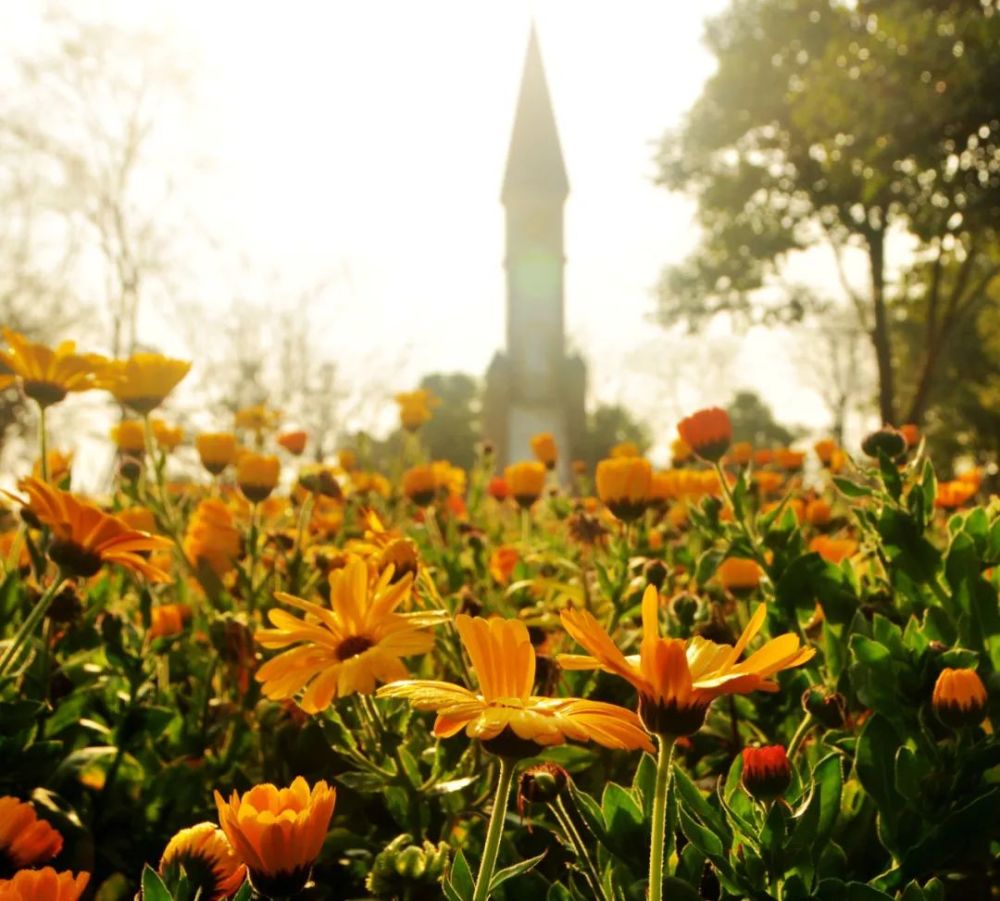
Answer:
(534, 161)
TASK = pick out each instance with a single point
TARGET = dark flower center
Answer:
(44, 393)
(76, 560)
(352, 646)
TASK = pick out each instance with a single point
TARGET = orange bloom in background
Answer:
(348, 647)
(25, 840)
(526, 481)
(740, 453)
(623, 484)
(451, 478)
(144, 380)
(257, 418)
(911, 433)
(952, 495)
(662, 488)
(624, 449)
(680, 452)
(707, 432)
(763, 457)
(293, 442)
(420, 484)
(48, 374)
(543, 446)
(348, 460)
(60, 468)
(739, 574)
(504, 714)
(818, 512)
(169, 619)
(795, 504)
(789, 460)
(129, 437)
(138, 518)
(833, 550)
(43, 885)
(205, 855)
(498, 489)
(169, 437)
(370, 483)
(959, 697)
(973, 476)
(678, 680)
(579, 467)
(825, 449)
(216, 450)
(415, 408)
(502, 563)
(84, 539)
(768, 482)
(278, 833)
(257, 475)
(212, 539)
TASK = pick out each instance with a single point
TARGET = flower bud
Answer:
(766, 772)
(959, 697)
(401, 867)
(543, 782)
(826, 707)
(887, 439)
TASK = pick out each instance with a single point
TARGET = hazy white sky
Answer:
(366, 139)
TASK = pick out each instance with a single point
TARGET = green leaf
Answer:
(461, 884)
(852, 489)
(558, 892)
(695, 803)
(153, 888)
(876, 751)
(703, 839)
(911, 770)
(244, 894)
(501, 876)
(644, 784)
(676, 889)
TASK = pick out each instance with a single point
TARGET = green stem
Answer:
(748, 532)
(800, 734)
(495, 830)
(659, 818)
(565, 820)
(43, 444)
(29, 626)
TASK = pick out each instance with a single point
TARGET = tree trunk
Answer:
(880, 329)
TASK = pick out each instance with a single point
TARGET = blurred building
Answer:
(534, 385)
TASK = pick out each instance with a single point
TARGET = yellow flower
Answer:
(420, 484)
(680, 451)
(344, 648)
(143, 381)
(623, 484)
(504, 714)
(25, 840)
(212, 538)
(257, 475)
(84, 538)
(60, 468)
(129, 437)
(167, 436)
(818, 512)
(49, 374)
(257, 418)
(168, 619)
(415, 408)
(205, 855)
(278, 833)
(677, 680)
(139, 518)
(543, 446)
(825, 449)
(959, 697)
(348, 460)
(217, 450)
(739, 574)
(43, 885)
(525, 481)
(624, 449)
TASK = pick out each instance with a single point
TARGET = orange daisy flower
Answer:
(43, 885)
(25, 840)
(504, 714)
(677, 680)
(707, 432)
(84, 538)
(48, 374)
(211, 865)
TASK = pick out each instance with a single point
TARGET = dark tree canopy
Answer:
(846, 124)
(753, 421)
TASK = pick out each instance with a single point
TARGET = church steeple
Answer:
(534, 160)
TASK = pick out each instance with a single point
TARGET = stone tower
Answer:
(534, 386)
